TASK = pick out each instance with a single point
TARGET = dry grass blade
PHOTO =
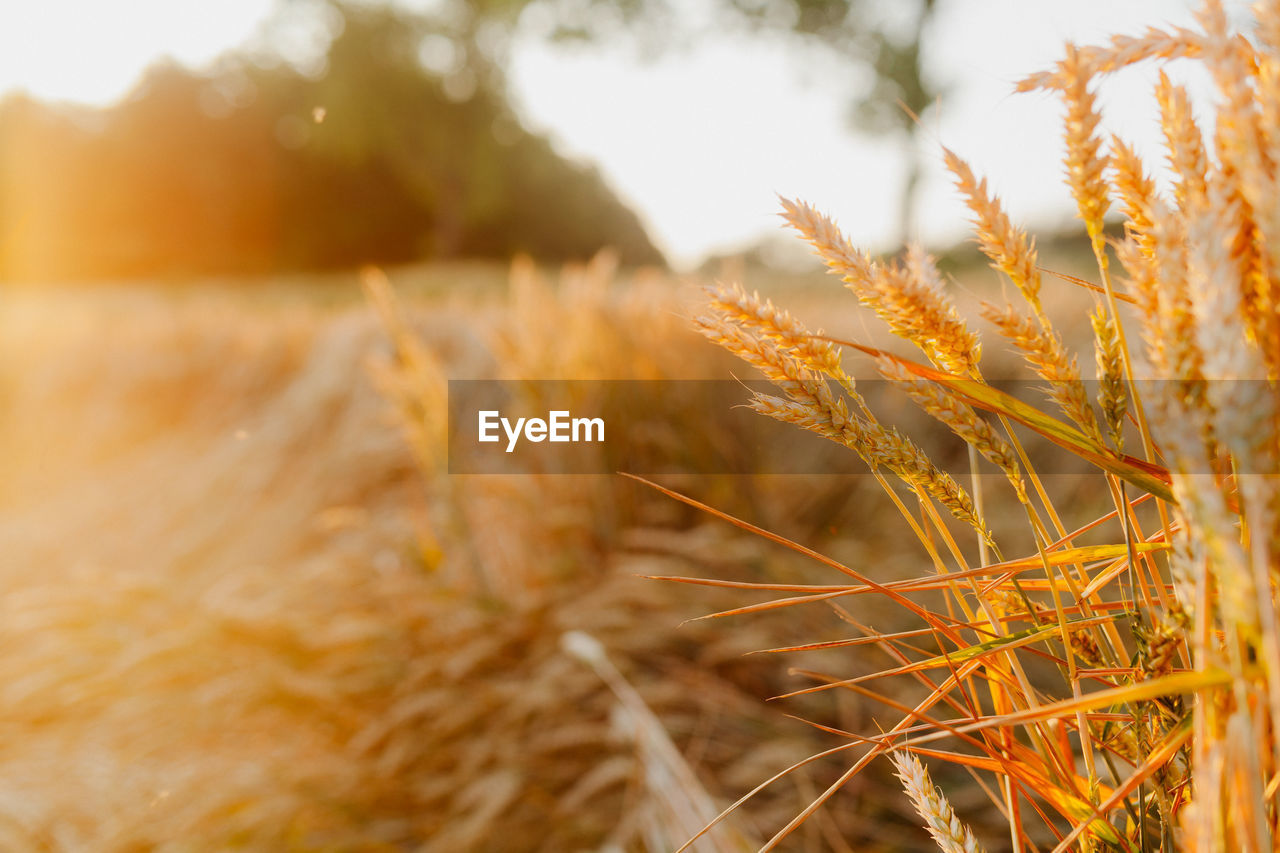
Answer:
(1155, 761)
(781, 540)
(1183, 683)
(975, 653)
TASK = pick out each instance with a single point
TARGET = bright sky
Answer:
(92, 51)
(701, 142)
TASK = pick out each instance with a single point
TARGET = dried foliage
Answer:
(1117, 686)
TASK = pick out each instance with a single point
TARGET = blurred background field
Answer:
(241, 611)
(243, 604)
(237, 613)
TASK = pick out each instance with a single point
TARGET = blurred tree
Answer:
(392, 139)
(264, 164)
(448, 136)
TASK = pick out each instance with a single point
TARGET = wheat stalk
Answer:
(1168, 637)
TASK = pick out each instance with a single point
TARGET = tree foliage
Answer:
(419, 153)
(259, 166)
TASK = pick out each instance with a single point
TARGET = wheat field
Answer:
(248, 607)
(245, 609)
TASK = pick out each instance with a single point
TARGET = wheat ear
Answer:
(1007, 246)
(1112, 398)
(1136, 190)
(907, 297)
(1123, 51)
(814, 405)
(766, 319)
(1084, 161)
(1043, 350)
(940, 819)
(959, 417)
